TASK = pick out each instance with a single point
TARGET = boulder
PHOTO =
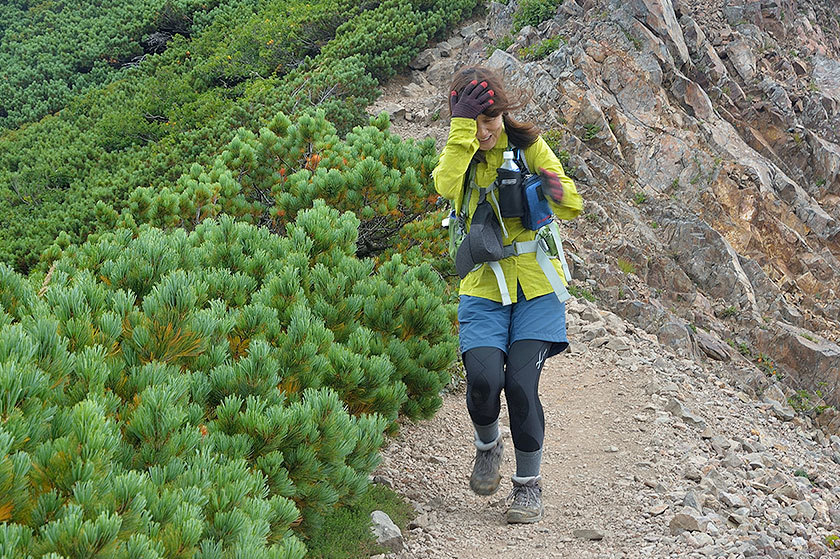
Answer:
(659, 16)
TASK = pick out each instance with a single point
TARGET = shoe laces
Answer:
(487, 461)
(525, 495)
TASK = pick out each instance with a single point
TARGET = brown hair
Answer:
(520, 134)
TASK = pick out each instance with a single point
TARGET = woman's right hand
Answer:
(473, 101)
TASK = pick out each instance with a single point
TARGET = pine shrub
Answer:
(208, 393)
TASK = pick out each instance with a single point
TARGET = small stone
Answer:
(688, 520)
(731, 500)
(387, 533)
(588, 534)
(692, 474)
(703, 540)
(383, 480)
(694, 500)
(804, 510)
(656, 510)
(677, 409)
(611, 448)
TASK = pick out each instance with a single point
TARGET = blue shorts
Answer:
(486, 323)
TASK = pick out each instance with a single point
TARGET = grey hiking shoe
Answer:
(485, 476)
(525, 501)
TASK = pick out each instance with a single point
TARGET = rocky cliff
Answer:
(705, 138)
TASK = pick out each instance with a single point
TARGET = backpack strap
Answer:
(519, 158)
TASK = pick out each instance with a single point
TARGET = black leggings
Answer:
(487, 375)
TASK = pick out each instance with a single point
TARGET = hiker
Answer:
(511, 311)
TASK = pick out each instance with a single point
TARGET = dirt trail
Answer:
(595, 451)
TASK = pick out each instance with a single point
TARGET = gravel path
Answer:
(646, 455)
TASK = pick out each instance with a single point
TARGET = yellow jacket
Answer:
(449, 182)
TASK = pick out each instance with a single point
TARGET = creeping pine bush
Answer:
(270, 176)
(534, 12)
(206, 394)
(242, 62)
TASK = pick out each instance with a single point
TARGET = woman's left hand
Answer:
(551, 186)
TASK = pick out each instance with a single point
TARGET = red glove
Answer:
(473, 100)
(551, 186)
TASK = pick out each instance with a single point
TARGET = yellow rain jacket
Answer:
(449, 182)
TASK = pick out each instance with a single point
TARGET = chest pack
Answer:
(517, 194)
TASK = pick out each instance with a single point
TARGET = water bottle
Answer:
(509, 179)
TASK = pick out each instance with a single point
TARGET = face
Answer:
(487, 131)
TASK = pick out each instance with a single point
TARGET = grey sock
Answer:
(487, 433)
(528, 463)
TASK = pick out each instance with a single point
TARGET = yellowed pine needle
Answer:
(47, 280)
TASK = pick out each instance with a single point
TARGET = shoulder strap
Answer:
(520, 160)
(465, 197)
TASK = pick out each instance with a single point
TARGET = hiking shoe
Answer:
(485, 476)
(525, 501)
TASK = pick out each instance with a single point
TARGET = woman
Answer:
(504, 346)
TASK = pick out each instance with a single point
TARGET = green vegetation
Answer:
(808, 402)
(729, 312)
(639, 198)
(346, 533)
(554, 140)
(626, 266)
(541, 49)
(220, 280)
(246, 64)
(762, 361)
(243, 378)
(534, 12)
(501, 44)
(51, 51)
(636, 42)
(581, 293)
(590, 131)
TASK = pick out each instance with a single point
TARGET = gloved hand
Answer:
(551, 186)
(473, 101)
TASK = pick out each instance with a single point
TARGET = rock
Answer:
(709, 260)
(383, 480)
(692, 97)
(678, 337)
(827, 76)
(656, 510)
(732, 500)
(589, 534)
(694, 500)
(677, 409)
(659, 16)
(712, 346)
(804, 511)
(619, 344)
(742, 57)
(423, 60)
(387, 533)
(394, 111)
(785, 413)
(688, 520)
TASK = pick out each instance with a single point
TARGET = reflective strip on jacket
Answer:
(449, 182)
